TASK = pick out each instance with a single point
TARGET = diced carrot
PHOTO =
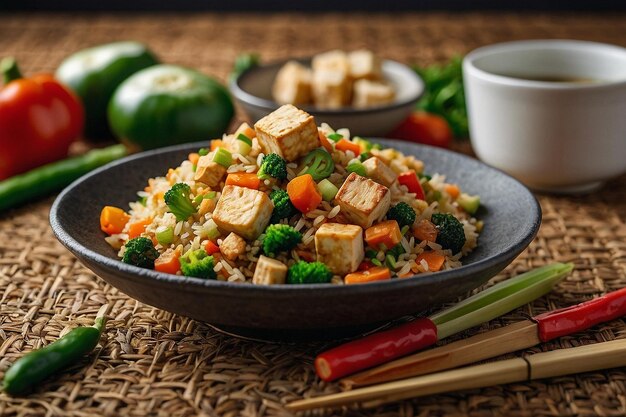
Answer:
(211, 247)
(324, 141)
(243, 179)
(412, 183)
(378, 273)
(303, 193)
(193, 158)
(453, 190)
(384, 233)
(345, 145)
(216, 143)
(425, 230)
(434, 260)
(168, 262)
(113, 220)
(137, 228)
(246, 130)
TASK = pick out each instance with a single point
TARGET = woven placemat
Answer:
(154, 363)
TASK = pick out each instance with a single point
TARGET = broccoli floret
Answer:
(280, 238)
(450, 233)
(402, 213)
(140, 252)
(309, 273)
(197, 264)
(283, 207)
(179, 202)
(273, 166)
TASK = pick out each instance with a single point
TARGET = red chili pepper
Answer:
(572, 319)
(375, 349)
(365, 265)
(410, 180)
(39, 119)
(427, 128)
(211, 248)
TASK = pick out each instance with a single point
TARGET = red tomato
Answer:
(39, 119)
(426, 128)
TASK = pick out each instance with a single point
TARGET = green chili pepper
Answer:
(52, 177)
(27, 372)
(318, 163)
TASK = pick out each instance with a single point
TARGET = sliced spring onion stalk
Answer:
(357, 168)
(335, 137)
(320, 164)
(211, 230)
(390, 261)
(164, 235)
(208, 196)
(499, 299)
(223, 157)
(344, 132)
(328, 189)
(376, 262)
(203, 151)
(245, 144)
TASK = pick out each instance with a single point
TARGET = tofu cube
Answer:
(340, 247)
(209, 172)
(331, 89)
(232, 246)
(269, 271)
(379, 171)
(292, 84)
(362, 200)
(335, 60)
(243, 211)
(372, 93)
(288, 132)
(365, 65)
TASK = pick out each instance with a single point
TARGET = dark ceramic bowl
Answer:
(253, 91)
(510, 212)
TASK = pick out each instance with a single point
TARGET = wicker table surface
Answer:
(155, 363)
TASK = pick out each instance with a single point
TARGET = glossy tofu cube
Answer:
(233, 246)
(292, 84)
(379, 171)
(209, 172)
(269, 271)
(340, 247)
(243, 211)
(363, 200)
(365, 65)
(372, 93)
(288, 132)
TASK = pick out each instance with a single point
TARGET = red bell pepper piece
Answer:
(375, 349)
(572, 319)
(39, 119)
(211, 248)
(410, 180)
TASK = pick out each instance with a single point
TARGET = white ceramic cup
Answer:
(567, 137)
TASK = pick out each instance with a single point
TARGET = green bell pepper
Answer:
(95, 73)
(166, 105)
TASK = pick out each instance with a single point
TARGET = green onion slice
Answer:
(203, 151)
(328, 189)
(244, 139)
(335, 137)
(357, 168)
(223, 157)
(164, 235)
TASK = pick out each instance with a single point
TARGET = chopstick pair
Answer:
(511, 338)
(541, 365)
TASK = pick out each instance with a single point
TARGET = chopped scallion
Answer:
(164, 235)
(203, 151)
(357, 168)
(336, 137)
(223, 157)
(328, 189)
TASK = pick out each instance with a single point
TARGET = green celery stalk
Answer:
(499, 299)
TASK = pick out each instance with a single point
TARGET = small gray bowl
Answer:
(253, 91)
(316, 311)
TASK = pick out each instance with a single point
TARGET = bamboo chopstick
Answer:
(541, 365)
(490, 344)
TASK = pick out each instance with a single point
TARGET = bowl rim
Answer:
(266, 104)
(280, 290)
(470, 68)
